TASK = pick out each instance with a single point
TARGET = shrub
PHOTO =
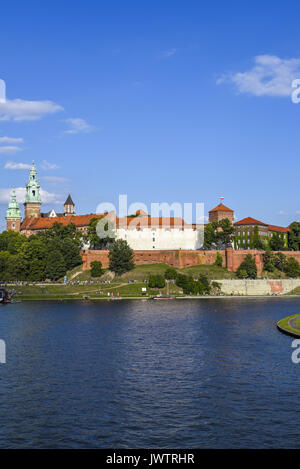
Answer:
(292, 267)
(248, 266)
(156, 281)
(170, 273)
(96, 269)
(219, 260)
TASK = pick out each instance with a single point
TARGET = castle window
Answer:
(13, 225)
(33, 193)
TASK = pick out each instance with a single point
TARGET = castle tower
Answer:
(220, 212)
(69, 206)
(13, 214)
(33, 201)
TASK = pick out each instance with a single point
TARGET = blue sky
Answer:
(166, 101)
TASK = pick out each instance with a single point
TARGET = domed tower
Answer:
(13, 214)
(33, 201)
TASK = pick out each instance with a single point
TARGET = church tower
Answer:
(13, 214)
(69, 206)
(33, 201)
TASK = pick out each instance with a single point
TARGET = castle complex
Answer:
(141, 231)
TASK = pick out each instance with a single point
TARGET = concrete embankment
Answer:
(258, 287)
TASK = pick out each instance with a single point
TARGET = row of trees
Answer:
(272, 261)
(46, 255)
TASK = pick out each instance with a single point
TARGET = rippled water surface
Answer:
(213, 373)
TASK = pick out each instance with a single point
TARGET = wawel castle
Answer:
(141, 231)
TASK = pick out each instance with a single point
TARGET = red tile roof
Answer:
(279, 228)
(221, 208)
(249, 221)
(130, 222)
(252, 221)
(32, 223)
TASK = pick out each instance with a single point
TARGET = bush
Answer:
(247, 267)
(170, 273)
(156, 281)
(96, 269)
(269, 261)
(292, 267)
(219, 260)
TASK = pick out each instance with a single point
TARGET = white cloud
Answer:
(168, 53)
(46, 165)
(14, 165)
(9, 150)
(21, 110)
(11, 140)
(47, 197)
(270, 76)
(78, 125)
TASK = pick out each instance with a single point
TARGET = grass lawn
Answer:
(212, 271)
(284, 323)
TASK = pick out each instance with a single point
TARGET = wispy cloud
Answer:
(46, 165)
(270, 76)
(168, 53)
(19, 166)
(9, 150)
(78, 125)
(21, 110)
(47, 197)
(11, 140)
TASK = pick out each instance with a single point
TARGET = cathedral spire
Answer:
(32, 198)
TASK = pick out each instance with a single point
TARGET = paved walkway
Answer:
(292, 323)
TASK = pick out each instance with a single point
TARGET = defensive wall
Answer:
(185, 258)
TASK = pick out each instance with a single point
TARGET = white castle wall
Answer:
(150, 239)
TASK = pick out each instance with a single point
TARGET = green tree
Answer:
(96, 269)
(92, 237)
(225, 235)
(219, 260)
(280, 261)
(276, 242)
(37, 270)
(294, 236)
(120, 257)
(248, 265)
(16, 267)
(210, 234)
(69, 249)
(292, 267)
(4, 257)
(268, 258)
(170, 273)
(55, 265)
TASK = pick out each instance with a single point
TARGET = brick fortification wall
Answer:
(176, 258)
(181, 258)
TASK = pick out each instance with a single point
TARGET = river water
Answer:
(211, 373)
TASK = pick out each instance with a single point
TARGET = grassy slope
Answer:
(284, 323)
(139, 274)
